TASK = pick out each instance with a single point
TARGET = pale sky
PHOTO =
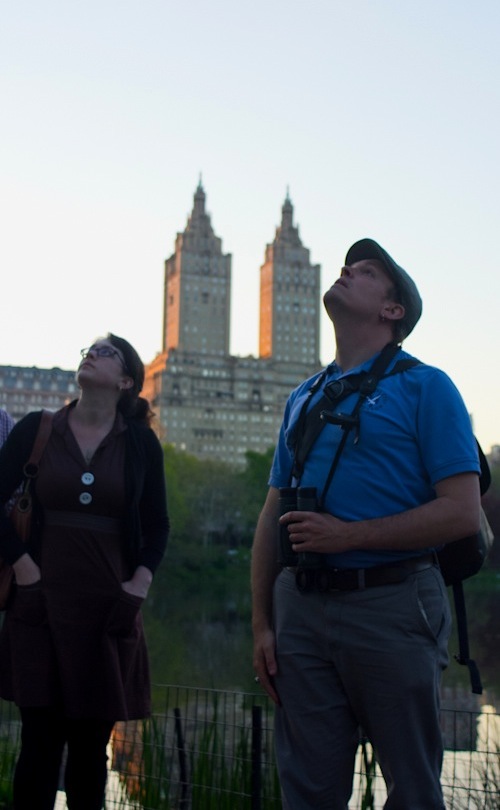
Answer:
(382, 118)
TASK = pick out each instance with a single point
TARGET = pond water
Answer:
(203, 638)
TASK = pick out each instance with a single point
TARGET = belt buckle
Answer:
(323, 580)
(361, 576)
(305, 579)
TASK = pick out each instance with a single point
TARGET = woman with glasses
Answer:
(72, 651)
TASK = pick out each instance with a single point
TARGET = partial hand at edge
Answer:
(264, 662)
(140, 582)
(26, 571)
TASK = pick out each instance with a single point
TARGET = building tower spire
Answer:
(196, 308)
(287, 214)
(199, 200)
(289, 296)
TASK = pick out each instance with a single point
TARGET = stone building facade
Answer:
(208, 402)
(29, 389)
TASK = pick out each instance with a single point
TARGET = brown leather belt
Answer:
(355, 579)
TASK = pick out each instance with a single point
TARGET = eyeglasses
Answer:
(104, 351)
(100, 351)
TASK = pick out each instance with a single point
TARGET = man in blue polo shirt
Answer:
(363, 644)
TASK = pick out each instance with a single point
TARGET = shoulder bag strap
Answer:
(42, 437)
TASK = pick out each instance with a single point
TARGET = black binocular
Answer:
(297, 499)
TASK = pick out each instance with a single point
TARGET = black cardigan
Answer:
(146, 523)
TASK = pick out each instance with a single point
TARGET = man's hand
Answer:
(316, 531)
(264, 572)
(452, 514)
(264, 662)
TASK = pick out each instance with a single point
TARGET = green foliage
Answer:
(210, 502)
(198, 755)
(9, 749)
(368, 774)
(491, 505)
(7, 765)
(495, 473)
(254, 487)
(153, 777)
(198, 609)
(140, 758)
(198, 620)
(210, 772)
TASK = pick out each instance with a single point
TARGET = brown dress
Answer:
(77, 638)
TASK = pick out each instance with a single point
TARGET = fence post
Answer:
(256, 757)
(182, 759)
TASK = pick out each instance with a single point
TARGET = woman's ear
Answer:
(125, 383)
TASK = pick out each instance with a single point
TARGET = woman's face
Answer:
(103, 364)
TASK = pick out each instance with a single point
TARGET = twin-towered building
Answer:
(208, 402)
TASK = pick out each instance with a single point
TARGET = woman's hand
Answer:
(140, 582)
(26, 571)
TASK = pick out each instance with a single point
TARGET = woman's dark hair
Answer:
(130, 404)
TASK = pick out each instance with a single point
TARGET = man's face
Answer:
(363, 288)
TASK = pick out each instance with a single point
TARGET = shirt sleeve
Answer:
(446, 439)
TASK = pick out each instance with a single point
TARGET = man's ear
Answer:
(392, 311)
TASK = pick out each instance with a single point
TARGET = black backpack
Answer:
(457, 560)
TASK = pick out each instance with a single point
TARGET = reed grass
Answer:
(201, 753)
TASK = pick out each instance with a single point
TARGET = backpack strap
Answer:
(311, 422)
(463, 656)
(485, 477)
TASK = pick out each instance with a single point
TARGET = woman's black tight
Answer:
(45, 731)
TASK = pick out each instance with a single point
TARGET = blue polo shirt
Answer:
(414, 431)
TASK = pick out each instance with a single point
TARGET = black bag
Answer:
(463, 558)
(21, 512)
(460, 560)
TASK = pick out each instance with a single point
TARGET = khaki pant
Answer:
(369, 659)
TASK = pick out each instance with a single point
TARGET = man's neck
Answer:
(356, 347)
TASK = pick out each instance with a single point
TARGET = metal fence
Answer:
(206, 749)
